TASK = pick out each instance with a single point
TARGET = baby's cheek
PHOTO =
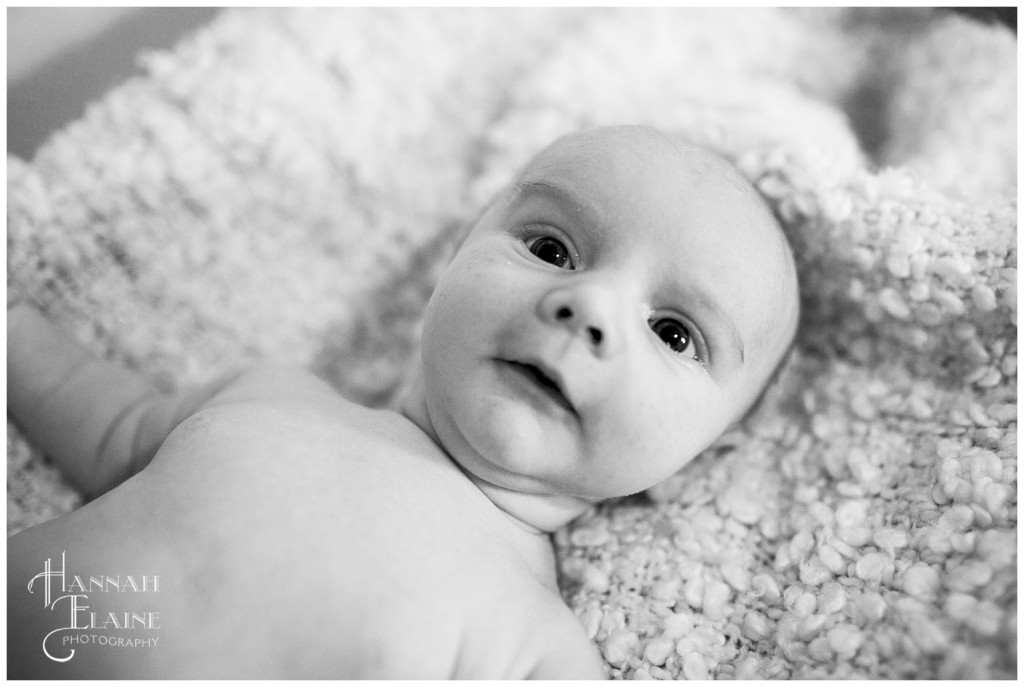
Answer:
(442, 324)
(465, 287)
(676, 421)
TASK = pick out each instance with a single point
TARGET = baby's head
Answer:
(616, 309)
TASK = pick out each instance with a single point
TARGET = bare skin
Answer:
(296, 534)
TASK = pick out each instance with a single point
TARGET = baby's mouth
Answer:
(546, 380)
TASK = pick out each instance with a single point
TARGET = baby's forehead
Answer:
(626, 153)
(707, 207)
(637, 165)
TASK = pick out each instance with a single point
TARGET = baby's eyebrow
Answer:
(525, 188)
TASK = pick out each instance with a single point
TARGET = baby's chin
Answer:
(517, 450)
(508, 445)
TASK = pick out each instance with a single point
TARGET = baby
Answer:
(618, 306)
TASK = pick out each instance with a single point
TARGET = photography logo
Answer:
(68, 597)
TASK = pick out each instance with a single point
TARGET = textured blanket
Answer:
(287, 185)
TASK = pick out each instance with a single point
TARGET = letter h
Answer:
(46, 575)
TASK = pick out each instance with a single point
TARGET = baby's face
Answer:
(607, 318)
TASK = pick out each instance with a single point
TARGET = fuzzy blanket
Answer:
(287, 184)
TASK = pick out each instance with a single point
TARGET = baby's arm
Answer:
(99, 422)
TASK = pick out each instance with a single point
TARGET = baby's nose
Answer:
(586, 310)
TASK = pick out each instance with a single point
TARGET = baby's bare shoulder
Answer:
(272, 396)
(276, 423)
(270, 382)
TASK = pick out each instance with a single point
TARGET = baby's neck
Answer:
(535, 513)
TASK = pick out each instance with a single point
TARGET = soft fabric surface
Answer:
(287, 184)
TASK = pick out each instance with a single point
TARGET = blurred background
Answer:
(61, 58)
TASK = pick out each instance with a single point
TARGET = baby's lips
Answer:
(541, 354)
(555, 376)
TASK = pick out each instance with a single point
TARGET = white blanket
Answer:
(287, 184)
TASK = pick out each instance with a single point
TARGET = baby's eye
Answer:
(552, 251)
(675, 335)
